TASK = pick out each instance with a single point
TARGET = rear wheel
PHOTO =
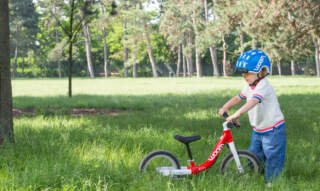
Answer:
(250, 164)
(158, 161)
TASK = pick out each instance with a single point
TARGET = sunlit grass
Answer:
(145, 86)
(57, 151)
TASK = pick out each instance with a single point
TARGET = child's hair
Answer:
(263, 73)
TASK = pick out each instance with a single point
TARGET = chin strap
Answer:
(256, 81)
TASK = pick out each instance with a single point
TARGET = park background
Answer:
(141, 38)
(96, 85)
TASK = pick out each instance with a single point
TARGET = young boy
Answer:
(268, 141)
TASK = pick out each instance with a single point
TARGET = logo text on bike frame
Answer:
(216, 152)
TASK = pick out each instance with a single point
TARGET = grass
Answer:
(56, 151)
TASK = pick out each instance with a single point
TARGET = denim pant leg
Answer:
(256, 146)
(274, 148)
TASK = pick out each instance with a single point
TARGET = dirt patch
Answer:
(23, 112)
(75, 112)
(93, 111)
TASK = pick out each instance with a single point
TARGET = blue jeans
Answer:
(270, 147)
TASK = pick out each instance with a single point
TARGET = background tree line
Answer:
(54, 38)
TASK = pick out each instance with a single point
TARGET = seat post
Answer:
(189, 151)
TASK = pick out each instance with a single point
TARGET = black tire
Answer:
(156, 159)
(249, 162)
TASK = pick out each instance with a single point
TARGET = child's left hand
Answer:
(234, 117)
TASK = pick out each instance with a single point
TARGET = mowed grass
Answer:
(58, 151)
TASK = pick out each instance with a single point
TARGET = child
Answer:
(268, 141)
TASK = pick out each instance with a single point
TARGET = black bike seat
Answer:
(187, 140)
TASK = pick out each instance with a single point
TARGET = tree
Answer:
(283, 28)
(198, 25)
(145, 17)
(177, 27)
(71, 26)
(104, 20)
(72, 34)
(86, 17)
(134, 41)
(6, 122)
(23, 22)
(137, 26)
(212, 48)
(307, 20)
(225, 20)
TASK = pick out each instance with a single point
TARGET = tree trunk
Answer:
(57, 41)
(197, 50)
(88, 48)
(150, 54)
(279, 67)
(6, 121)
(184, 65)
(179, 60)
(189, 58)
(59, 70)
(59, 63)
(126, 57)
(134, 70)
(188, 66)
(15, 63)
(241, 42)
(205, 6)
(105, 53)
(22, 67)
(70, 49)
(198, 63)
(170, 70)
(224, 57)
(213, 50)
(70, 67)
(125, 48)
(293, 68)
(214, 60)
(105, 47)
(317, 55)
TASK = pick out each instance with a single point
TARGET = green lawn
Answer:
(58, 151)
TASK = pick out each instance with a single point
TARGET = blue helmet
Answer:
(253, 61)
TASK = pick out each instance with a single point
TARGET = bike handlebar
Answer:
(232, 123)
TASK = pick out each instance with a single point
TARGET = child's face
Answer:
(250, 77)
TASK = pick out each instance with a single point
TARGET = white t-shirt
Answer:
(266, 115)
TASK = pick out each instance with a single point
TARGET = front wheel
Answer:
(249, 163)
(159, 161)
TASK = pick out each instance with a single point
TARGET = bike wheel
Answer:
(249, 162)
(159, 162)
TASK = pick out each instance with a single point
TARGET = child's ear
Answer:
(263, 73)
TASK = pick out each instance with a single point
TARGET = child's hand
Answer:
(222, 111)
(234, 118)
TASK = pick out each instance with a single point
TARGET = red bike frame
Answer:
(225, 138)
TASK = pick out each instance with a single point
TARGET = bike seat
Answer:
(187, 140)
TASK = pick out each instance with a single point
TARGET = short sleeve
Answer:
(243, 93)
(260, 92)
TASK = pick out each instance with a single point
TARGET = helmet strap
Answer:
(256, 81)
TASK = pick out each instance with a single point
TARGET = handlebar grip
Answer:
(236, 124)
(225, 115)
(231, 123)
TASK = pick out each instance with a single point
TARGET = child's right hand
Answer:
(222, 111)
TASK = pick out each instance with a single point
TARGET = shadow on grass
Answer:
(54, 148)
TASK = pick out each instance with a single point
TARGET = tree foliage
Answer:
(159, 36)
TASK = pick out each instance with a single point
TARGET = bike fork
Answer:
(234, 152)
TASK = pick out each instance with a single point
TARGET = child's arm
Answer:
(245, 108)
(232, 102)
